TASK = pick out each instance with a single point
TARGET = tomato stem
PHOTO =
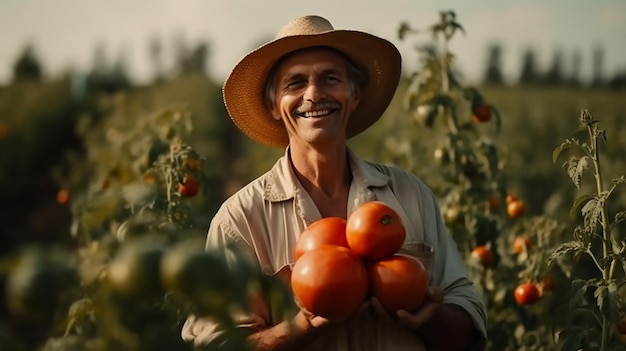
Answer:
(386, 219)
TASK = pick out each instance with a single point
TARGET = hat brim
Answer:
(244, 89)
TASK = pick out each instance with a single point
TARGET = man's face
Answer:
(314, 97)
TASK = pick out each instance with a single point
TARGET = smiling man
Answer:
(308, 91)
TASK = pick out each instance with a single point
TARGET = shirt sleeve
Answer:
(448, 269)
(204, 331)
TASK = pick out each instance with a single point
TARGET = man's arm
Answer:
(450, 328)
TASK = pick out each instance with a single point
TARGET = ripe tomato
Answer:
(374, 230)
(521, 243)
(399, 282)
(516, 209)
(330, 281)
(482, 114)
(326, 231)
(189, 187)
(526, 294)
(484, 255)
(63, 196)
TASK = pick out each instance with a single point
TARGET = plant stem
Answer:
(606, 271)
(445, 79)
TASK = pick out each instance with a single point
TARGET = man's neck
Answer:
(322, 171)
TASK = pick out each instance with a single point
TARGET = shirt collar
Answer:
(282, 183)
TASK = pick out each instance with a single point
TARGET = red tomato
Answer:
(189, 187)
(526, 294)
(484, 255)
(330, 281)
(482, 114)
(326, 231)
(399, 282)
(375, 230)
(516, 208)
(521, 243)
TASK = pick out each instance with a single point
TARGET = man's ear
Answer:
(275, 112)
(356, 96)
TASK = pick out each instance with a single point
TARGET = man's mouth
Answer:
(316, 111)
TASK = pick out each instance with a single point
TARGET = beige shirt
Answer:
(266, 217)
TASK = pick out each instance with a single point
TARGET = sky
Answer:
(65, 33)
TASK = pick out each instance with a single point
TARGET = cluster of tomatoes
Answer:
(340, 263)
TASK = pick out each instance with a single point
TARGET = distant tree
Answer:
(107, 76)
(27, 66)
(554, 75)
(493, 70)
(155, 51)
(574, 75)
(597, 73)
(529, 73)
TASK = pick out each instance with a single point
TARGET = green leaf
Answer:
(592, 211)
(571, 338)
(619, 217)
(568, 143)
(578, 205)
(566, 248)
(607, 300)
(579, 288)
(575, 168)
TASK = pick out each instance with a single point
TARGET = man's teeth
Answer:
(315, 113)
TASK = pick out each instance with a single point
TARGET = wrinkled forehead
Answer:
(312, 53)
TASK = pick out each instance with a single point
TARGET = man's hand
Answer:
(412, 321)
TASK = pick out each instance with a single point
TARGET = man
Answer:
(308, 91)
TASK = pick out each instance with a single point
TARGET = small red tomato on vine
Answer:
(482, 114)
(521, 243)
(484, 255)
(526, 294)
(189, 187)
(516, 209)
(63, 196)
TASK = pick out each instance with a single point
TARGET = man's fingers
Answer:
(416, 320)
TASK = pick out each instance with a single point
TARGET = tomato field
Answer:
(107, 196)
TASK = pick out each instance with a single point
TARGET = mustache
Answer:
(312, 106)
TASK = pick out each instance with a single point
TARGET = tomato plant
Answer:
(330, 281)
(399, 282)
(374, 230)
(325, 231)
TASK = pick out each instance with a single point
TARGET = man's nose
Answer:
(313, 92)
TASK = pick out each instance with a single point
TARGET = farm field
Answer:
(108, 189)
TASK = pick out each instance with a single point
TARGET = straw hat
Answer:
(244, 89)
